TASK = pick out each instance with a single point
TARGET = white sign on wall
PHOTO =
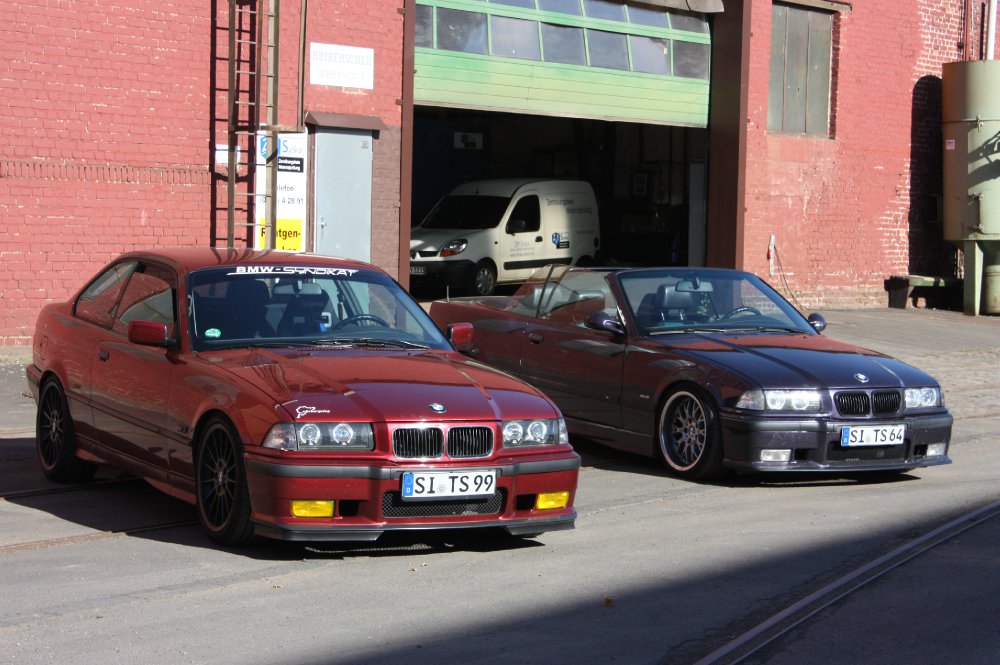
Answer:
(341, 66)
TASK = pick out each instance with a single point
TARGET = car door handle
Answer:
(538, 238)
(103, 354)
(535, 338)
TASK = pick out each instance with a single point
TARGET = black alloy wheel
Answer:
(222, 494)
(689, 436)
(55, 438)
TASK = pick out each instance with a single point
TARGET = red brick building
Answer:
(116, 125)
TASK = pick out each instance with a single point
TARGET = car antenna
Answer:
(447, 292)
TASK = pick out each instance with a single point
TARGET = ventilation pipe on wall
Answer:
(991, 30)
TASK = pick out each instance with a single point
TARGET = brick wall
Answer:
(849, 210)
(107, 109)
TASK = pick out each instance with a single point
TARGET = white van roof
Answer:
(507, 186)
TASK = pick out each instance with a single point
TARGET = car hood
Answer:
(426, 240)
(793, 360)
(378, 386)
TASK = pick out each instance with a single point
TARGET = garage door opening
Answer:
(649, 179)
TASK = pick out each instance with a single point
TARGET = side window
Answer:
(97, 303)
(149, 296)
(525, 217)
(581, 294)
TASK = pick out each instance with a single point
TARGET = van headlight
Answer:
(454, 247)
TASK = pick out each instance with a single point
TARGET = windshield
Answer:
(298, 305)
(466, 212)
(665, 301)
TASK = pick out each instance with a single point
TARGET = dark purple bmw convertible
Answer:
(707, 368)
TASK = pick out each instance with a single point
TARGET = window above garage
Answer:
(586, 58)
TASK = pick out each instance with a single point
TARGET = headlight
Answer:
(534, 432)
(320, 436)
(922, 398)
(454, 247)
(780, 400)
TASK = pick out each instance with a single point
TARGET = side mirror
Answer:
(601, 321)
(817, 321)
(516, 226)
(460, 335)
(148, 333)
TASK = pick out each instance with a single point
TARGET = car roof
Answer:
(507, 186)
(186, 259)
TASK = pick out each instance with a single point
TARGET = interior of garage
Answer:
(649, 179)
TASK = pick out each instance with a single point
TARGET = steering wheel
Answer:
(361, 317)
(739, 310)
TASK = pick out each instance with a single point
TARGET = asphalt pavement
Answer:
(923, 594)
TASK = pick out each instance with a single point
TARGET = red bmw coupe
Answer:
(291, 396)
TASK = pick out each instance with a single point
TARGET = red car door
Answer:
(578, 367)
(131, 382)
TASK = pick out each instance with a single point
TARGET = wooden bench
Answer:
(936, 292)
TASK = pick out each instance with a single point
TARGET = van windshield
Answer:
(466, 212)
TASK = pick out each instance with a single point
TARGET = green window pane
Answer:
(611, 11)
(656, 18)
(561, 6)
(563, 44)
(425, 26)
(527, 4)
(515, 38)
(461, 31)
(651, 56)
(691, 60)
(689, 22)
(607, 49)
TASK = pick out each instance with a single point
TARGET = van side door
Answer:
(522, 243)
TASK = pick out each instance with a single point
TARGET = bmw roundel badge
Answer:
(437, 408)
(861, 377)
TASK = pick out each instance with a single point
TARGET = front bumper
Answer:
(368, 501)
(452, 272)
(815, 444)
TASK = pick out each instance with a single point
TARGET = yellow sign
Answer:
(289, 236)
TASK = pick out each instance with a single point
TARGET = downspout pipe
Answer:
(991, 30)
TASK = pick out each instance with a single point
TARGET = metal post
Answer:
(272, 121)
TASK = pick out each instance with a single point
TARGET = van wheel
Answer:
(483, 280)
(585, 261)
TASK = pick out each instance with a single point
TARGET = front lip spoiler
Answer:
(844, 467)
(372, 472)
(322, 533)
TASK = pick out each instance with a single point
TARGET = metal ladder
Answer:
(251, 101)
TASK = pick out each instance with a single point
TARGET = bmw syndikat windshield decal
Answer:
(293, 270)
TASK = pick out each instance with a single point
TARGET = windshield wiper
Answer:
(787, 329)
(687, 330)
(369, 341)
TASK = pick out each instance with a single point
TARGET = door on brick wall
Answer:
(342, 193)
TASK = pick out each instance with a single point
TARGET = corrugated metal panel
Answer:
(468, 81)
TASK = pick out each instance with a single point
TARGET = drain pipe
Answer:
(991, 31)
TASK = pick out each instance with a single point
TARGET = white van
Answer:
(499, 231)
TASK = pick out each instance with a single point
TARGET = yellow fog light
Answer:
(550, 500)
(313, 508)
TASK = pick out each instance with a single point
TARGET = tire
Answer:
(688, 436)
(483, 280)
(222, 496)
(55, 438)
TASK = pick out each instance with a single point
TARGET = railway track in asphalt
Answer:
(83, 537)
(761, 636)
